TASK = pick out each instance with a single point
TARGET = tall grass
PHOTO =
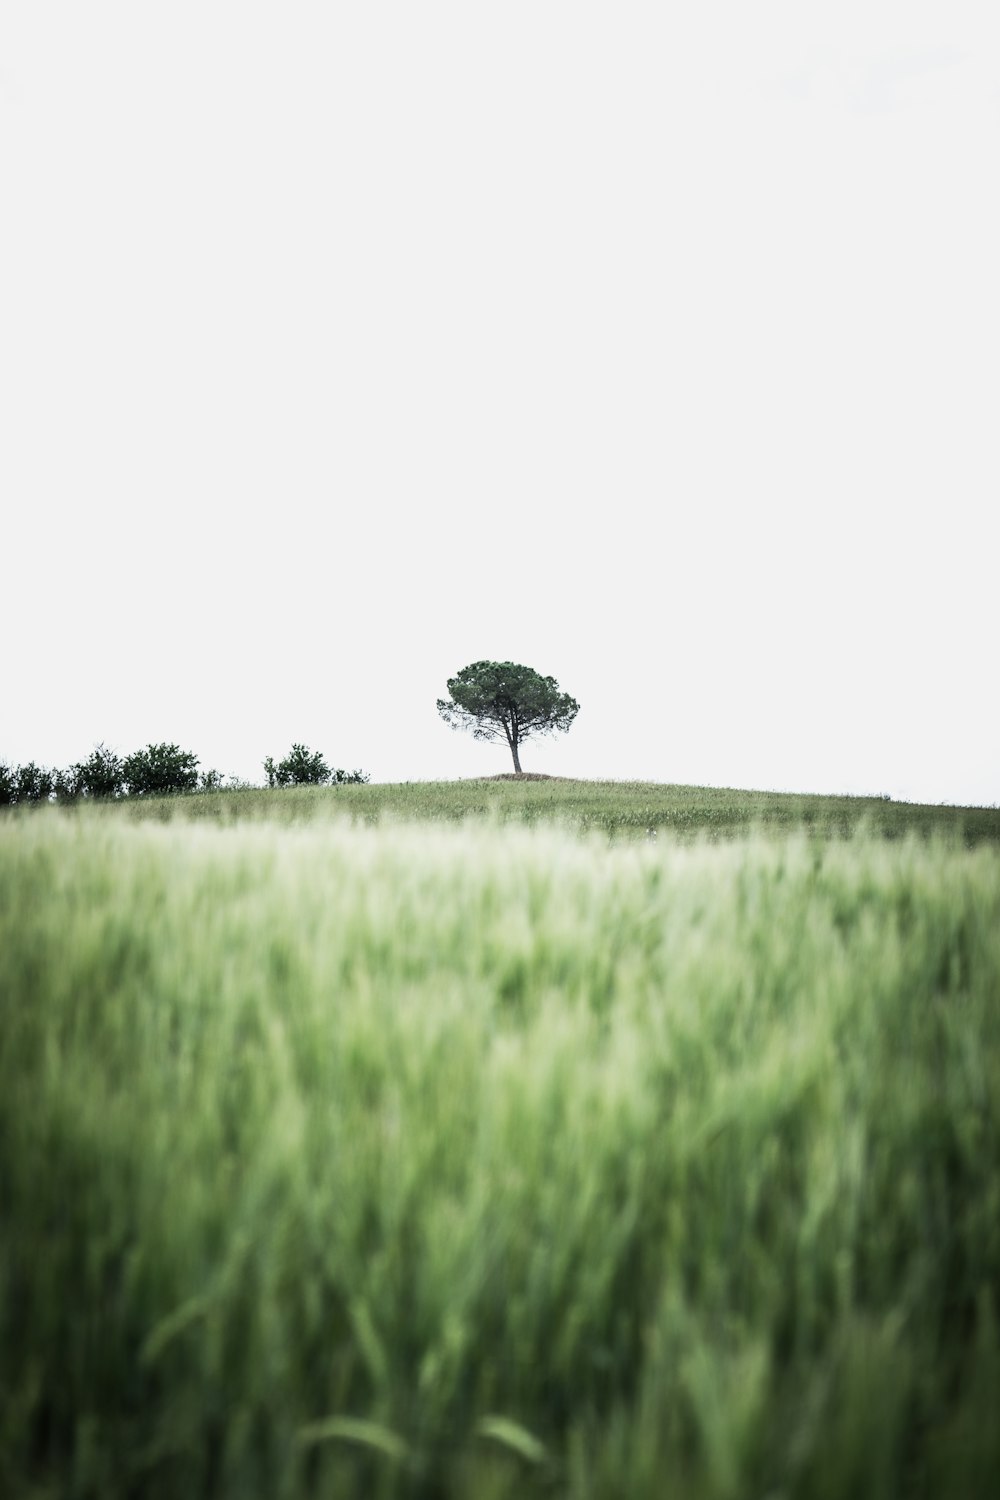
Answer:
(495, 1161)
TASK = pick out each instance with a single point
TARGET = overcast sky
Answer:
(656, 346)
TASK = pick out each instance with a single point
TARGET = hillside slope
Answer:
(616, 808)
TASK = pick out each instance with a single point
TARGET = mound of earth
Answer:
(524, 776)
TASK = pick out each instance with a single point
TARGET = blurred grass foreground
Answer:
(453, 1160)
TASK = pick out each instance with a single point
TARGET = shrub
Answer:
(305, 767)
(7, 775)
(68, 784)
(160, 769)
(100, 775)
(30, 783)
(300, 767)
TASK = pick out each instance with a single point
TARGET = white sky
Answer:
(654, 345)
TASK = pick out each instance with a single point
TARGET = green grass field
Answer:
(619, 809)
(465, 1141)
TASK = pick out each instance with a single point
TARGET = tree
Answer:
(28, 783)
(305, 767)
(497, 699)
(100, 775)
(300, 767)
(160, 769)
(33, 783)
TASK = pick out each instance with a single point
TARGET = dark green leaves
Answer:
(305, 767)
(160, 769)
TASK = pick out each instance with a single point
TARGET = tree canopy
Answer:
(159, 769)
(500, 699)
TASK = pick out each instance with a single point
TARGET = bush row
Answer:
(156, 771)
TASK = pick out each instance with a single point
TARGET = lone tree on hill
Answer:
(499, 698)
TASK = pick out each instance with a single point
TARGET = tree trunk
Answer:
(510, 729)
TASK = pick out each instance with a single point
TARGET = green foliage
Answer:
(300, 767)
(26, 784)
(431, 1160)
(68, 784)
(305, 767)
(102, 774)
(158, 770)
(501, 700)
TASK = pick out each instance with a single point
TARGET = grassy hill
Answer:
(353, 1143)
(617, 808)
